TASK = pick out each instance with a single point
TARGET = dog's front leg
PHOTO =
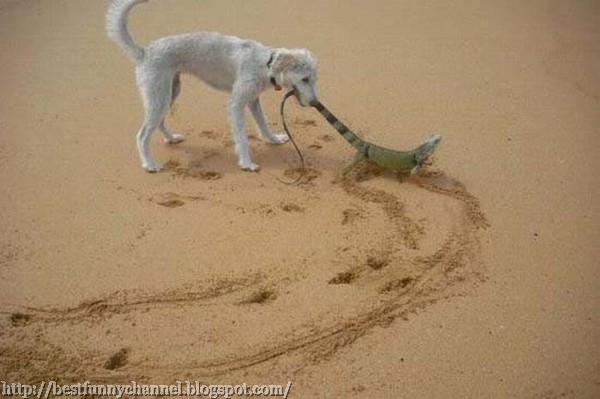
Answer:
(261, 123)
(241, 96)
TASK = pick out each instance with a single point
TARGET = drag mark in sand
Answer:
(372, 283)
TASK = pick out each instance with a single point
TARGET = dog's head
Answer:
(296, 69)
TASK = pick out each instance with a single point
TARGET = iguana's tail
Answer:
(349, 135)
(116, 28)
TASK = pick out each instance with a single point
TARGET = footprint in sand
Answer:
(174, 200)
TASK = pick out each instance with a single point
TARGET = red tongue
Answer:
(277, 88)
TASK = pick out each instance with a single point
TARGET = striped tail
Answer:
(356, 142)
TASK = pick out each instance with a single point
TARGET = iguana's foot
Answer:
(355, 161)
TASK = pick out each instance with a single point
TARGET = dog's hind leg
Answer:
(155, 89)
(261, 123)
(170, 136)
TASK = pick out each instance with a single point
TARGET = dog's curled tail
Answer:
(116, 27)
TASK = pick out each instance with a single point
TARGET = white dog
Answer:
(243, 67)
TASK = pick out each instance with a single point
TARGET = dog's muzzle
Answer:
(305, 102)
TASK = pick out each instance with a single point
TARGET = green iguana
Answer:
(395, 160)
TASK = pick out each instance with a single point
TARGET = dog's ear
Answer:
(283, 62)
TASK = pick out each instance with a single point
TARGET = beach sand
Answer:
(479, 279)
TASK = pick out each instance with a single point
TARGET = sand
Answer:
(478, 279)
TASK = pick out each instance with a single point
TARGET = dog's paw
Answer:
(152, 167)
(250, 167)
(174, 139)
(279, 139)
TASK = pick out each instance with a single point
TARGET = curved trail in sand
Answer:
(385, 272)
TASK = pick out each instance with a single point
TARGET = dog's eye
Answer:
(306, 80)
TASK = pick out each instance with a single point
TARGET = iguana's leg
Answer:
(355, 161)
(342, 174)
